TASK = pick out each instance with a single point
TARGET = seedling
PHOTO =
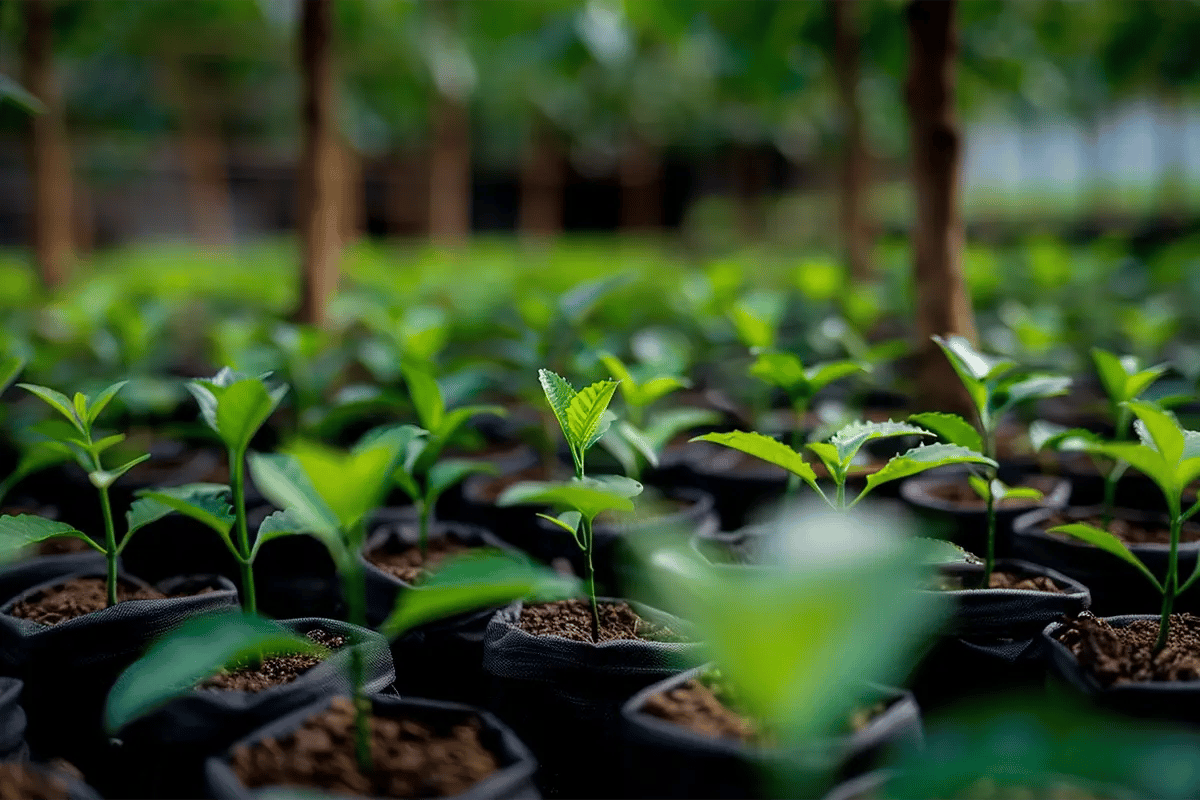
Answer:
(641, 436)
(35, 456)
(77, 440)
(420, 474)
(1169, 456)
(994, 386)
(837, 455)
(583, 420)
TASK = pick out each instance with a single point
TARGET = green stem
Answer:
(110, 543)
(238, 476)
(990, 556)
(591, 577)
(1171, 586)
(424, 512)
(841, 493)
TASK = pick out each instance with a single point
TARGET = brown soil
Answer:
(18, 783)
(1122, 655)
(572, 619)
(407, 564)
(62, 545)
(274, 670)
(492, 489)
(1128, 532)
(704, 709)
(75, 598)
(411, 759)
(961, 494)
(1003, 580)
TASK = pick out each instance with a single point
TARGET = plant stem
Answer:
(591, 577)
(238, 476)
(841, 493)
(424, 512)
(1170, 586)
(793, 482)
(356, 590)
(110, 543)
(989, 562)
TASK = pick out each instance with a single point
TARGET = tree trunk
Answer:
(542, 178)
(405, 194)
(354, 194)
(203, 152)
(641, 186)
(450, 172)
(943, 305)
(855, 161)
(318, 190)
(49, 157)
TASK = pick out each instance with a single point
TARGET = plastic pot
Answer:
(444, 659)
(1116, 587)
(513, 781)
(15, 578)
(12, 721)
(665, 759)
(564, 697)
(164, 751)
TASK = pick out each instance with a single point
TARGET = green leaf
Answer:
(921, 458)
(850, 439)
(104, 478)
(426, 395)
(199, 648)
(571, 527)
(26, 529)
(1140, 382)
(821, 375)
(639, 441)
(756, 331)
(829, 457)
(1002, 491)
(588, 497)
(453, 420)
(1035, 387)
(666, 425)
(657, 388)
(630, 388)
(242, 409)
(559, 395)
(1109, 543)
(107, 442)
(283, 481)
(100, 402)
(784, 370)
(951, 427)
(1145, 459)
(451, 472)
(1112, 373)
(10, 368)
(766, 448)
(206, 503)
(980, 486)
(478, 580)
(585, 414)
(353, 483)
(79, 405)
(1162, 429)
(288, 523)
(971, 366)
(57, 401)
(939, 551)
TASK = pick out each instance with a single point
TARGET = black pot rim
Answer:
(437, 529)
(1121, 689)
(916, 492)
(1001, 564)
(1027, 525)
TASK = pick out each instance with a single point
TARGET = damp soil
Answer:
(275, 670)
(1001, 580)
(572, 619)
(411, 758)
(80, 596)
(706, 707)
(1126, 530)
(62, 545)
(1116, 655)
(18, 783)
(408, 565)
(963, 496)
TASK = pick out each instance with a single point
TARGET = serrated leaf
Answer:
(1108, 543)
(10, 368)
(199, 648)
(479, 580)
(140, 514)
(559, 395)
(206, 503)
(287, 523)
(104, 478)
(828, 455)
(939, 551)
(766, 448)
(951, 427)
(57, 401)
(586, 413)
(26, 529)
(850, 439)
(426, 395)
(919, 459)
(100, 402)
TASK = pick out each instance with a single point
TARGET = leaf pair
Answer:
(430, 405)
(788, 372)
(236, 406)
(586, 498)
(580, 414)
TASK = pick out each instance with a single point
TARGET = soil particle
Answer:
(1127, 531)
(77, 597)
(1002, 580)
(572, 619)
(18, 783)
(408, 565)
(411, 758)
(274, 670)
(961, 494)
(1116, 655)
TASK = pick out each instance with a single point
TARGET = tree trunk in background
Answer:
(49, 157)
(943, 304)
(450, 172)
(641, 185)
(542, 179)
(354, 194)
(203, 151)
(319, 186)
(855, 163)
(405, 193)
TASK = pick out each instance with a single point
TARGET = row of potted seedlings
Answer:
(171, 690)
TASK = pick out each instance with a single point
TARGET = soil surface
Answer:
(1123, 655)
(1002, 580)
(1126, 531)
(18, 783)
(492, 489)
(705, 708)
(572, 619)
(75, 598)
(274, 670)
(62, 545)
(961, 494)
(411, 759)
(407, 564)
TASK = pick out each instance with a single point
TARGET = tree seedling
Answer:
(581, 415)
(77, 439)
(995, 386)
(1169, 456)
(34, 456)
(837, 455)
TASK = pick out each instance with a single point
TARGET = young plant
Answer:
(420, 474)
(837, 455)
(1169, 456)
(34, 456)
(78, 440)
(641, 436)
(583, 420)
(994, 386)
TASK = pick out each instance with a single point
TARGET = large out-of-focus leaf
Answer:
(588, 497)
(283, 481)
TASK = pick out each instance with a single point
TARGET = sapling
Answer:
(994, 386)
(837, 455)
(581, 415)
(78, 439)
(1169, 456)
(34, 456)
